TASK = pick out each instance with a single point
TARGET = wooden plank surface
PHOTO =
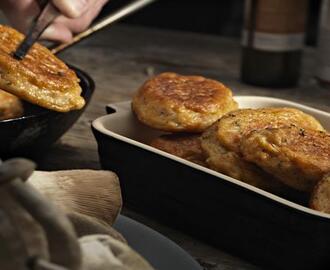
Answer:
(120, 59)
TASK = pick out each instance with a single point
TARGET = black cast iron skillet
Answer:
(31, 134)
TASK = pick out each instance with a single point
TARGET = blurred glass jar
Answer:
(273, 40)
(323, 50)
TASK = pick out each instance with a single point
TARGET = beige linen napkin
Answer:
(101, 252)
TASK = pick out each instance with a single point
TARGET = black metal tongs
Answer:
(49, 13)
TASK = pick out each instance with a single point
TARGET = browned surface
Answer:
(40, 78)
(320, 198)
(195, 92)
(298, 157)
(186, 146)
(230, 163)
(10, 106)
(233, 126)
(172, 102)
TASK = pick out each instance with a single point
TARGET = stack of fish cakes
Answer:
(234, 129)
(184, 106)
(280, 150)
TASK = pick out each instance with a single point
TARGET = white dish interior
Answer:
(123, 126)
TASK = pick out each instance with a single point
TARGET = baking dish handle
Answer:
(110, 109)
(117, 107)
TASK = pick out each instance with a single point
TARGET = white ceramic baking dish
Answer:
(259, 226)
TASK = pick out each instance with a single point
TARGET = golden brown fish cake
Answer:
(10, 106)
(233, 126)
(230, 163)
(320, 198)
(176, 103)
(297, 157)
(40, 78)
(186, 146)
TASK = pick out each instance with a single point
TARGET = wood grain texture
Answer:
(120, 59)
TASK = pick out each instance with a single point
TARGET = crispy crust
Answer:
(297, 157)
(233, 126)
(40, 78)
(10, 106)
(176, 103)
(230, 163)
(186, 146)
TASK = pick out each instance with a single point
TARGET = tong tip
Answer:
(18, 55)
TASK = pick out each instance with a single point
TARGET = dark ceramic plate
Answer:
(159, 251)
(256, 225)
(32, 133)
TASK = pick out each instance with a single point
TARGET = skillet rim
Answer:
(86, 93)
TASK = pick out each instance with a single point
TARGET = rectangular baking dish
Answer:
(251, 223)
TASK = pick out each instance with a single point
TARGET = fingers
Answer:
(63, 28)
(57, 32)
(80, 24)
(77, 16)
(73, 8)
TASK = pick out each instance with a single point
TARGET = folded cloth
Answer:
(85, 225)
(102, 252)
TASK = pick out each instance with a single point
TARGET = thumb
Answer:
(72, 8)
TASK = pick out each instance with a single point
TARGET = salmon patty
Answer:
(232, 164)
(298, 157)
(176, 103)
(40, 78)
(186, 146)
(233, 126)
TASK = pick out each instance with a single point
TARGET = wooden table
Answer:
(120, 59)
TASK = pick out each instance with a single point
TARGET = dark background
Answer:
(206, 16)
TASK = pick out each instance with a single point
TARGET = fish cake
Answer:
(10, 106)
(176, 103)
(320, 198)
(40, 78)
(186, 146)
(230, 163)
(298, 157)
(233, 126)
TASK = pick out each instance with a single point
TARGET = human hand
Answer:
(76, 16)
